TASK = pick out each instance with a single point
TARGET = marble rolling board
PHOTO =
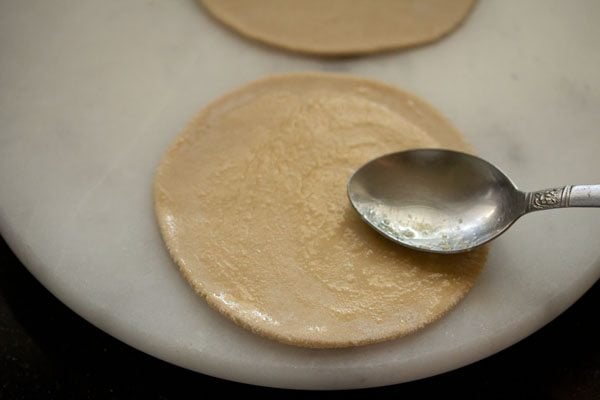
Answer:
(92, 93)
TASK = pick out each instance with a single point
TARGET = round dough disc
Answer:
(251, 202)
(341, 27)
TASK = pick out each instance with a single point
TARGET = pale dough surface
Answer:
(251, 202)
(341, 27)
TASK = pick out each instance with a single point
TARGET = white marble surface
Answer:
(91, 93)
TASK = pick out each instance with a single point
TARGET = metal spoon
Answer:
(444, 201)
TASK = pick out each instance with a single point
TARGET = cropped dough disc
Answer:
(341, 27)
(251, 202)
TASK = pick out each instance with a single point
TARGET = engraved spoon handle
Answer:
(566, 196)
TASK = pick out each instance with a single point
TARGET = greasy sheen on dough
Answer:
(251, 202)
(341, 27)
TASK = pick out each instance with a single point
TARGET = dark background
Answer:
(47, 351)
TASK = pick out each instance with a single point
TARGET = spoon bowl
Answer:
(445, 201)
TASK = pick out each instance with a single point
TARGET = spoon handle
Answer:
(565, 196)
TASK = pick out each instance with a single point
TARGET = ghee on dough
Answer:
(251, 202)
(341, 27)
